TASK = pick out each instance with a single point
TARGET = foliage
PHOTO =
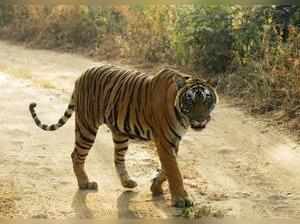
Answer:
(66, 26)
(5, 13)
(69, 27)
(148, 33)
(24, 22)
(250, 26)
(203, 37)
(212, 38)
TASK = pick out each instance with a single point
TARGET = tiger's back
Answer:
(116, 97)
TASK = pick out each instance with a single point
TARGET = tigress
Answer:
(136, 105)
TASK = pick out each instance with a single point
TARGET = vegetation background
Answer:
(244, 47)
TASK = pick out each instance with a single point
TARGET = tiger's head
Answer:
(195, 100)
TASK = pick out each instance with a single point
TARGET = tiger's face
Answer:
(196, 99)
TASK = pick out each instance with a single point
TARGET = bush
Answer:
(67, 27)
(251, 24)
(6, 13)
(212, 40)
(148, 34)
(25, 22)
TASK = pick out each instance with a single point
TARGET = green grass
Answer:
(198, 212)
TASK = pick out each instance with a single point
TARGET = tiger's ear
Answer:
(213, 82)
(180, 81)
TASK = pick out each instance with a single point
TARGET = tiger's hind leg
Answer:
(121, 147)
(84, 140)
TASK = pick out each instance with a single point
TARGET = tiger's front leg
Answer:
(167, 156)
(121, 147)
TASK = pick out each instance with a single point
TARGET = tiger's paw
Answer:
(129, 183)
(156, 189)
(182, 202)
(89, 186)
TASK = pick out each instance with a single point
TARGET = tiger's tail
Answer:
(63, 120)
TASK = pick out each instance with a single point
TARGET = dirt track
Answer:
(236, 167)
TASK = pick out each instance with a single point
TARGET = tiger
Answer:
(136, 105)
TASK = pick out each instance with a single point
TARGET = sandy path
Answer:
(235, 167)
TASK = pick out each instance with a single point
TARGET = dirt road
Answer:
(236, 167)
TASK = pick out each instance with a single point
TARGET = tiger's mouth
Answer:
(199, 125)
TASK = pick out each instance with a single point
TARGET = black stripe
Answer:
(71, 107)
(136, 132)
(61, 121)
(179, 118)
(148, 134)
(141, 138)
(139, 126)
(109, 77)
(115, 114)
(98, 74)
(81, 146)
(82, 155)
(173, 131)
(171, 143)
(38, 122)
(87, 127)
(68, 115)
(118, 76)
(123, 87)
(139, 89)
(126, 127)
(137, 78)
(121, 149)
(119, 161)
(116, 127)
(44, 127)
(90, 141)
(120, 141)
(104, 69)
(82, 159)
(117, 99)
(52, 127)
(168, 140)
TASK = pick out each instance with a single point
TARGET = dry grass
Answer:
(26, 74)
(7, 199)
(45, 84)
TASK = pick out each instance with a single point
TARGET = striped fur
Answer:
(68, 113)
(133, 105)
